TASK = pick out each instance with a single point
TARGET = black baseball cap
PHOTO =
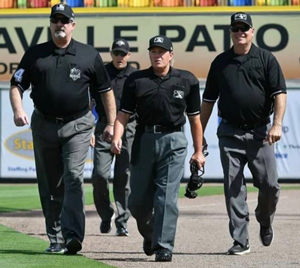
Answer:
(160, 41)
(62, 9)
(241, 17)
(120, 44)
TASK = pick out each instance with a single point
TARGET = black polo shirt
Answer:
(244, 84)
(117, 78)
(161, 100)
(60, 78)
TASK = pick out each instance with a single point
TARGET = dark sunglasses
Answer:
(62, 20)
(119, 53)
(243, 29)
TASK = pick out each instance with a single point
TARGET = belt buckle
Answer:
(59, 120)
(156, 131)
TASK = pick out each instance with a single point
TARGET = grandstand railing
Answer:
(144, 3)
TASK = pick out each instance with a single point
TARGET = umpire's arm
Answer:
(20, 117)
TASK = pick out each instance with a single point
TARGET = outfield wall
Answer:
(17, 159)
(198, 35)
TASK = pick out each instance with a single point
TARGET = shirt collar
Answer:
(70, 49)
(172, 72)
(253, 52)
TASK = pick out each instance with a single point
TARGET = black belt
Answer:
(64, 119)
(160, 129)
(261, 123)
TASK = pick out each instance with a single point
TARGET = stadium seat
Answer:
(204, 3)
(75, 3)
(89, 3)
(239, 2)
(21, 3)
(277, 2)
(54, 2)
(7, 3)
(37, 3)
(168, 3)
(139, 3)
(106, 3)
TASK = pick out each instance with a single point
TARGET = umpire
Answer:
(160, 95)
(118, 70)
(60, 73)
(249, 85)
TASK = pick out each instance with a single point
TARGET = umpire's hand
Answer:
(21, 118)
(116, 146)
(108, 133)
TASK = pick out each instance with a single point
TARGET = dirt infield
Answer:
(202, 236)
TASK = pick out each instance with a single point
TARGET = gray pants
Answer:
(237, 148)
(157, 169)
(60, 153)
(103, 159)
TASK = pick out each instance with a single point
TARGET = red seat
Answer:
(37, 3)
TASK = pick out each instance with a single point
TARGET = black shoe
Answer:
(163, 255)
(105, 226)
(73, 245)
(147, 247)
(55, 248)
(238, 249)
(122, 232)
(266, 235)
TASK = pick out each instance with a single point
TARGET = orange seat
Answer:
(89, 3)
(7, 4)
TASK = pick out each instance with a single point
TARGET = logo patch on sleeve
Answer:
(19, 75)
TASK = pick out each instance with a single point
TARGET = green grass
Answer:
(25, 197)
(18, 250)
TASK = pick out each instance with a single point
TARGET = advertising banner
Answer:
(197, 38)
(17, 158)
(287, 150)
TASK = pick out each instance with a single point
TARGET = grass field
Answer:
(18, 250)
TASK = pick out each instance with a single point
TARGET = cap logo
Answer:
(120, 43)
(240, 17)
(60, 7)
(158, 40)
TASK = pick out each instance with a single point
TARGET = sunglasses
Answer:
(119, 53)
(243, 29)
(62, 20)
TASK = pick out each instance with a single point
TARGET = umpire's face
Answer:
(241, 34)
(61, 27)
(160, 58)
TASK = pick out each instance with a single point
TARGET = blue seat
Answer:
(239, 2)
(75, 3)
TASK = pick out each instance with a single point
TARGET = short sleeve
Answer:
(211, 91)
(128, 100)
(101, 82)
(275, 77)
(21, 77)
(193, 100)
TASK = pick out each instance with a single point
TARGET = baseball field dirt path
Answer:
(202, 236)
